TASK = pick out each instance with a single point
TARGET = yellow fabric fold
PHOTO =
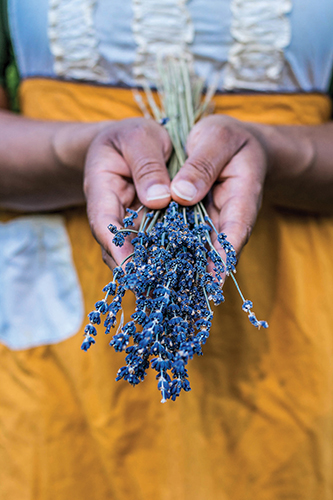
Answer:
(60, 100)
(258, 423)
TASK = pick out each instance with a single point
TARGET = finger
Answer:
(107, 193)
(210, 146)
(146, 148)
(109, 260)
(237, 199)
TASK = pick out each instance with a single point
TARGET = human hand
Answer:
(226, 157)
(125, 166)
(128, 158)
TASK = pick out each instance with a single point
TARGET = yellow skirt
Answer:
(258, 423)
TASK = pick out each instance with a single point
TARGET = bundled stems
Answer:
(168, 269)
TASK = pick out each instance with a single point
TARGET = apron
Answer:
(258, 423)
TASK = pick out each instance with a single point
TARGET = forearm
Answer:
(41, 162)
(300, 166)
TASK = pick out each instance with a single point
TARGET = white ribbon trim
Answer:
(73, 40)
(261, 31)
(160, 28)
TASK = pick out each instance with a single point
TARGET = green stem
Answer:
(208, 304)
(127, 258)
(153, 221)
(143, 219)
(184, 215)
(124, 229)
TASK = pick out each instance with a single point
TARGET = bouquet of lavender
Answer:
(168, 269)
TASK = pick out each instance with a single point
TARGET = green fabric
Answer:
(9, 76)
(4, 52)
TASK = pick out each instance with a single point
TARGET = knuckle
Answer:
(93, 229)
(130, 129)
(247, 230)
(244, 230)
(227, 132)
(93, 222)
(108, 258)
(146, 168)
(140, 128)
(105, 256)
(204, 169)
(229, 136)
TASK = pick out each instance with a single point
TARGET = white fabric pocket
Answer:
(40, 295)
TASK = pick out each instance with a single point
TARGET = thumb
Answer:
(146, 152)
(210, 146)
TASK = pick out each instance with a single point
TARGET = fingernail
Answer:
(157, 192)
(185, 190)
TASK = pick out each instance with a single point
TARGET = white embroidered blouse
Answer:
(260, 45)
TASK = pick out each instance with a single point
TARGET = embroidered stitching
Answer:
(261, 31)
(73, 40)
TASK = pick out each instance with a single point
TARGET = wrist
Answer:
(70, 143)
(289, 149)
(291, 158)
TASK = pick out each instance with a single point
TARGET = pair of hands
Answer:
(126, 166)
(41, 169)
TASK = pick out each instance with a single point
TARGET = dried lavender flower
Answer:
(168, 269)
